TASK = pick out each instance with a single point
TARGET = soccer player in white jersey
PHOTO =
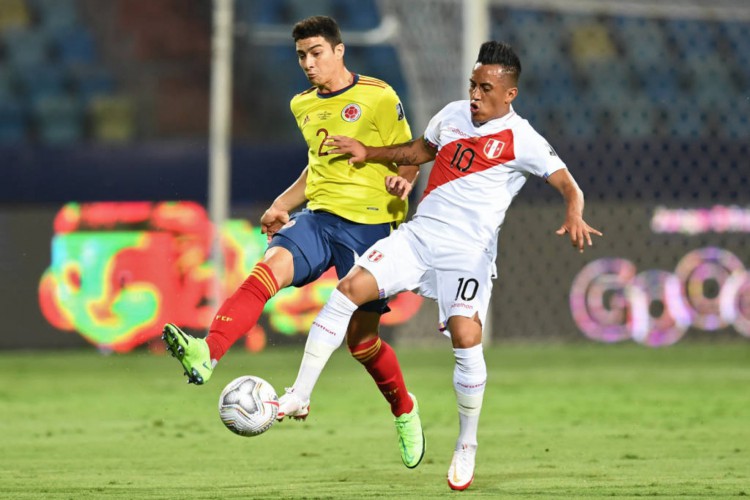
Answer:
(483, 153)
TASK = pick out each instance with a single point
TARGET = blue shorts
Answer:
(318, 240)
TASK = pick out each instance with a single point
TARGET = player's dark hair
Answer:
(318, 26)
(502, 54)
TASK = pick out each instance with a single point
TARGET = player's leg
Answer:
(464, 291)
(346, 240)
(234, 318)
(285, 262)
(241, 311)
(363, 340)
(334, 233)
(388, 267)
(380, 361)
(326, 335)
(396, 263)
(469, 379)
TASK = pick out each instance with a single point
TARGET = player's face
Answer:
(490, 92)
(319, 60)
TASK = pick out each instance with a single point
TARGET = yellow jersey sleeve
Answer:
(370, 111)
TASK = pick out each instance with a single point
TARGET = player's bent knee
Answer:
(465, 332)
(346, 286)
(466, 342)
(281, 263)
(359, 286)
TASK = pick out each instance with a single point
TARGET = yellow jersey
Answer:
(368, 110)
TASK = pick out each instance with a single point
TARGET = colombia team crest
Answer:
(351, 112)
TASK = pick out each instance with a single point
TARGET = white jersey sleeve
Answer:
(432, 131)
(534, 153)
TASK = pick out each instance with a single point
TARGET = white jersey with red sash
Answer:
(447, 251)
(477, 172)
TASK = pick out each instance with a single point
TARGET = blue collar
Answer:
(340, 91)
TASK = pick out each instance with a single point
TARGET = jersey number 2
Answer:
(323, 142)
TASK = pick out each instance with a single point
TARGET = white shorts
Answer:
(410, 258)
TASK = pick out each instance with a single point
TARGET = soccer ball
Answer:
(248, 405)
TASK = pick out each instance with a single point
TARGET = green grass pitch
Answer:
(559, 421)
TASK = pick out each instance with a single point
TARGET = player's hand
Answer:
(398, 186)
(342, 145)
(272, 220)
(580, 232)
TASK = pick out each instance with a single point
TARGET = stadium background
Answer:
(648, 105)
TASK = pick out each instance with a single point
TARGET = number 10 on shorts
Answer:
(467, 289)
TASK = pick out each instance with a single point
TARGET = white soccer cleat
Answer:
(290, 405)
(461, 471)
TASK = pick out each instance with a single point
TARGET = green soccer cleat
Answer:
(410, 436)
(191, 352)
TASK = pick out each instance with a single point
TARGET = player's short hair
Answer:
(324, 26)
(502, 54)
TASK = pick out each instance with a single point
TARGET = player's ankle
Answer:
(402, 406)
(215, 349)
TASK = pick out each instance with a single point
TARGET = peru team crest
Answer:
(493, 149)
(374, 256)
(351, 112)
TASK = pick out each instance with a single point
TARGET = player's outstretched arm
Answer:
(577, 228)
(277, 214)
(415, 152)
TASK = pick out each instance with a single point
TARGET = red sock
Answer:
(240, 312)
(381, 363)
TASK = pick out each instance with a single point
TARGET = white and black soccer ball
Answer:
(248, 405)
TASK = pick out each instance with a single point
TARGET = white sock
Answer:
(326, 335)
(469, 380)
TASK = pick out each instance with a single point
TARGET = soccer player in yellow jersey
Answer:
(366, 107)
(348, 209)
